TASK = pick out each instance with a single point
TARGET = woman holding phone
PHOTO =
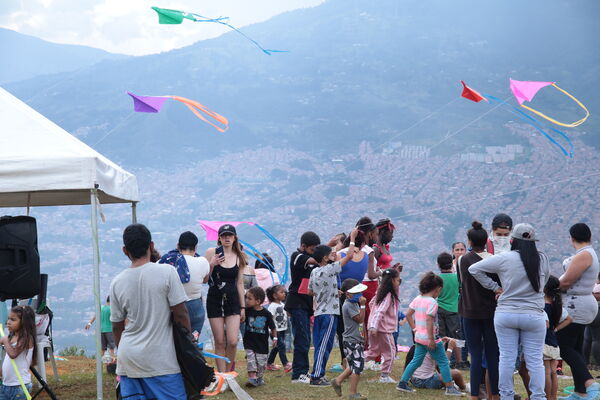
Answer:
(225, 300)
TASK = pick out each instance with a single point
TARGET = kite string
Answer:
(356, 161)
(386, 173)
(418, 122)
(571, 125)
(114, 128)
(410, 214)
(459, 130)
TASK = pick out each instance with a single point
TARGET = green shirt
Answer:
(106, 325)
(448, 299)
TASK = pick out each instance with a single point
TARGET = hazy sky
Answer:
(131, 26)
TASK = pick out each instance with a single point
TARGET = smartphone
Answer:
(220, 252)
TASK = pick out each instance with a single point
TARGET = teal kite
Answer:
(166, 16)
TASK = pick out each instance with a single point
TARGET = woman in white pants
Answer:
(523, 272)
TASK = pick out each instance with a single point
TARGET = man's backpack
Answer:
(197, 374)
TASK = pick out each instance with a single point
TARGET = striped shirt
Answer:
(424, 306)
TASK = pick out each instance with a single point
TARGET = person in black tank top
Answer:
(225, 299)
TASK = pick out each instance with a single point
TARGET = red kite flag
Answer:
(471, 94)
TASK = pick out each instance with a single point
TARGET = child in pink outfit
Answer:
(383, 322)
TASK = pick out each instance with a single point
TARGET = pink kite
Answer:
(212, 227)
(526, 90)
(153, 104)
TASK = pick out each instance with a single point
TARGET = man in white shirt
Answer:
(146, 295)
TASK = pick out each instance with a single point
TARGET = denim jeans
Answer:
(301, 328)
(279, 349)
(197, 314)
(13, 392)
(531, 329)
(480, 337)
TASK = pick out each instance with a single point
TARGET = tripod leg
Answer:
(43, 383)
(54, 368)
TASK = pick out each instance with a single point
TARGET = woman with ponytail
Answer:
(558, 318)
(476, 306)
(523, 272)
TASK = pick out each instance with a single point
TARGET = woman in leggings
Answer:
(581, 272)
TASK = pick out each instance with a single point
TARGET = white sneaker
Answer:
(387, 379)
(373, 366)
(302, 379)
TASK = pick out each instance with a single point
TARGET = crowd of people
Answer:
(491, 306)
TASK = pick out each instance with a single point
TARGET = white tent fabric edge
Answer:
(43, 165)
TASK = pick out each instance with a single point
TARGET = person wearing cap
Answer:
(225, 301)
(499, 240)
(353, 313)
(577, 283)
(523, 273)
(193, 272)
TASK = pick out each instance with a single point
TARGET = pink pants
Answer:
(382, 344)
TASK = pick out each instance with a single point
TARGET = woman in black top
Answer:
(225, 300)
(477, 306)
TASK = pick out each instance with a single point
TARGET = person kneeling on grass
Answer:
(256, 336)
(422, 318)
(427, 376)
(353, 314)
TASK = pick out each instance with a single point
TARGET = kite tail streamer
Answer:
(265, 262)
(266, 51)
(194, 106)
(201, 18)
(211, 355)
(281, 247)
(16, 369)
(571, 125)
(535, 123)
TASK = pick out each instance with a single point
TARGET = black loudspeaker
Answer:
(19, 258)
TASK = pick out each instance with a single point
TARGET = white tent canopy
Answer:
(43, 165)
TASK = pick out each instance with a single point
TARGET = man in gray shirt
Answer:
(145, 295)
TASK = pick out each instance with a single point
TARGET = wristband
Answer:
(352, 244)
(362, 307)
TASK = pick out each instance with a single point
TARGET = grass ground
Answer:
(78, 382)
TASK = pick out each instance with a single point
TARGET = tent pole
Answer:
(96, 261)
(134, 212)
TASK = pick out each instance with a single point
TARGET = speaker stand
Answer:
(44, 385)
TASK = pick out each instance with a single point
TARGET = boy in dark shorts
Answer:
(259, 325)
(353, 312)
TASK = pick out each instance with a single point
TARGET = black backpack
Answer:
(197, 374)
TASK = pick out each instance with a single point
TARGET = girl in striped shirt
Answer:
(422, 318)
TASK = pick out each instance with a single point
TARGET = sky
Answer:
(131, 26)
